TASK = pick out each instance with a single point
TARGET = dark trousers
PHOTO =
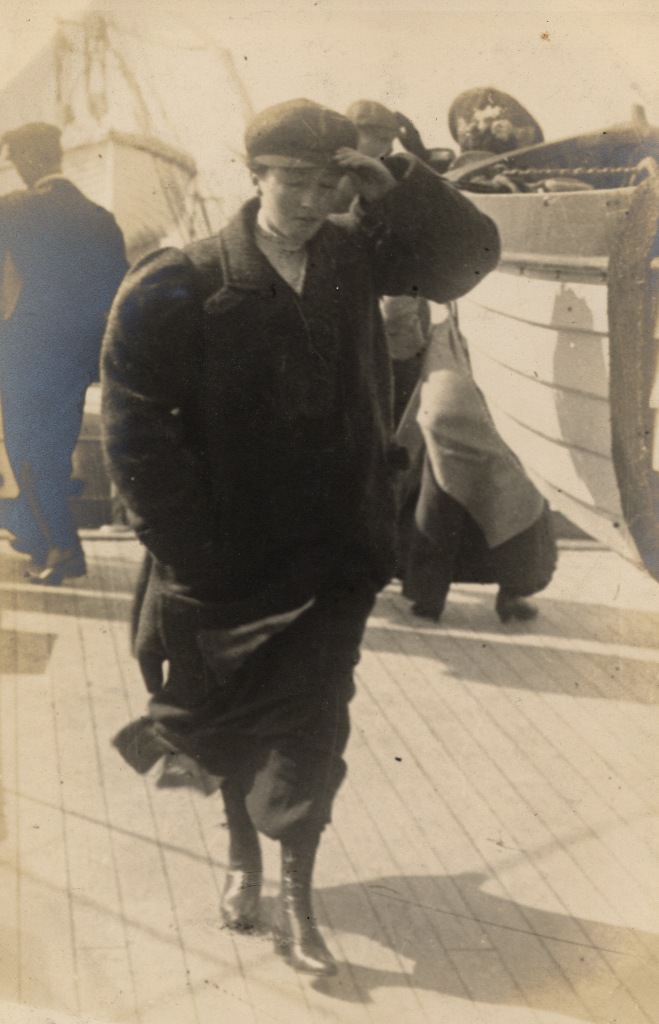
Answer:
(41, 431)
(443, 544)
(275, 729)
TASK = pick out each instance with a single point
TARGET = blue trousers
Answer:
(41, 430)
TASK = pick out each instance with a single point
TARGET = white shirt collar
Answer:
(56, 176)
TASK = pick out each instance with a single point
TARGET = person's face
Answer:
(297, 200)
(374, 141)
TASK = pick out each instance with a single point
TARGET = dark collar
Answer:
(47, 178)
(244, 270)
(244, 266)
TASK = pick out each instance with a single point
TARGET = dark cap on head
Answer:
(297, 133)
(374, 115)
(34, 139)
(489, 119)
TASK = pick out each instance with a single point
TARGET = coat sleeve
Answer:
(101, 265)
(427, 238)
(150, 368)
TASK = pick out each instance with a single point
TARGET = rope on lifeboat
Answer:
(531, 173)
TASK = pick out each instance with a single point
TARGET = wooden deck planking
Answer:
(478, 866)
(425, 915)
(578, 776)
(510, 751)
(142, 855)
(47, 967)
(509, 916)
(546, 767)
(104, 918)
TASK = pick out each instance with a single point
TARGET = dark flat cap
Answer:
(488, 119)
(371, 114)
(297, 133)
(32, 137)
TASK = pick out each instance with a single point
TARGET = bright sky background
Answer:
(576, 66)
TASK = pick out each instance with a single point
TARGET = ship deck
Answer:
(493, 855)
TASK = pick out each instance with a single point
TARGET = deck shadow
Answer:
(456, 939)
(53, 601)
(25, 653)
(609, 656)
(569, 620)
(535, 668)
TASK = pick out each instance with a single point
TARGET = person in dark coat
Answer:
(469, 512)
(246, 402)
(61, 260)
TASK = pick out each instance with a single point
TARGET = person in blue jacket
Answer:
(61, 260)
(247, 426)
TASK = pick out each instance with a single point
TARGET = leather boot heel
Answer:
(297, 939)
(240, 900)
(510, 606)
(295, 932)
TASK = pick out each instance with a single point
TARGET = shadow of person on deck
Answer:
(25, 653)
(455, 938)
(25, 650)
(596, 651)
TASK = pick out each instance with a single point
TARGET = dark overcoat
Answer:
(61, 260)
(249, 428)
(67, 257)
(249, 431)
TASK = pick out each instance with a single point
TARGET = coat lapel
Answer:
(244, 269)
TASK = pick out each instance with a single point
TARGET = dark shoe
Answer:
(239, 906)
(509, 606)
(298, 941)
(60, 565)
(424, 611)
(241, 899)
(295, 932)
